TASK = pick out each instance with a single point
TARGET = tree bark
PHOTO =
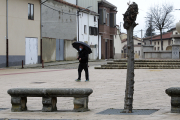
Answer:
(161, 40)
(128, 101)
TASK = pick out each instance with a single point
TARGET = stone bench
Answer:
(49, 98)
(174, 93)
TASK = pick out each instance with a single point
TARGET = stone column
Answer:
(174, 93)
(81, 104)
(175, 46)
(18, 104)
(49, 104)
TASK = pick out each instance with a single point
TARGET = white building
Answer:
(117, 44)
(88, 32)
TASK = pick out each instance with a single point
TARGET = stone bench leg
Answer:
(81, 104)
(175, 104)
(49, 104)
(18, 104)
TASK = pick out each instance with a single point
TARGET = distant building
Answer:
(137, 47)
(156, 41)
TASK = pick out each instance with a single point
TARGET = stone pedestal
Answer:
(49, 104)
(176, 46)
(174, 93)
(81, 104)
(18, 104)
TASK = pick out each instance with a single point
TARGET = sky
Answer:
(144, 6)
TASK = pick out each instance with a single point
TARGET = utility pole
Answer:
(120, 27)
(151, 29)
(141, 35)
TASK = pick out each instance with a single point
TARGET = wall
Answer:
(49, 49)
(19, 28)
(138, 52)
(86, 3)
(117, 45)
(146, 42)
(57, 24)
(2, 33)
(71, 1)
(70, 52)
(158, 55)
(165, 44)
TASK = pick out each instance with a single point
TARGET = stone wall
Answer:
(158, 55)
(70, 53)
(49, 49)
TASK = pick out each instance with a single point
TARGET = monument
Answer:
(129, 24)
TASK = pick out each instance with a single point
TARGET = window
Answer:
(108, 19)
(158, 43)
(100, 16)
(144, 43)
(85, 29)
(155, 48)
(154, 43)
(139, 43)
(30, 11)
(95, 20)
(158, 48)
(112, 19)
(93, 31)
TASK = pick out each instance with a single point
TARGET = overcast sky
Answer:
(144, 6)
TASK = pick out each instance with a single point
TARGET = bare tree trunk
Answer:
(129, 24)
(128, 101)
(161, 40)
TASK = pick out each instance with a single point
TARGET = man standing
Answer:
(83, 63)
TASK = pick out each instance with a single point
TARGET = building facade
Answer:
(107, 28)
(137, 47)
(156, 41)
(20, 37)
(88, 31)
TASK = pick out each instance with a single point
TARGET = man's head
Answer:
(81, 47)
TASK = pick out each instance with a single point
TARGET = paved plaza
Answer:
(108, 93)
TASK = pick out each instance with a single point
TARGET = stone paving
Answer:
(109, 90)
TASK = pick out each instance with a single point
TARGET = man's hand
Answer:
(79, 59)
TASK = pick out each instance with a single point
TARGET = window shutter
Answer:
(104, 16)
(114, 19)
(90, 33)
(111, 20)
(96, 31)
(101, 16)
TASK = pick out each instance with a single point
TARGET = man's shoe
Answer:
(78, 80)
(87, 81)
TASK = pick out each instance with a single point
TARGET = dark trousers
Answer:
(83, 66)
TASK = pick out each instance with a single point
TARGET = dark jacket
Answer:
(83, 54)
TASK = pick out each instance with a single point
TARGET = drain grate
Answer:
(135, 112)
